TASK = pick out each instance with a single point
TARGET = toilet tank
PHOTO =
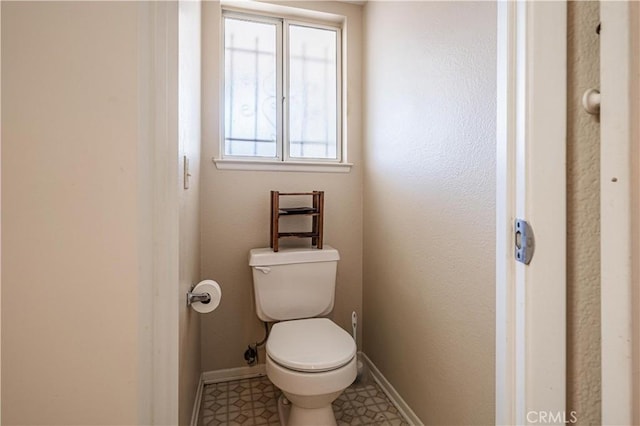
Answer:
(293, 283)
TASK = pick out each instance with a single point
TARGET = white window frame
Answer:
(283, 159)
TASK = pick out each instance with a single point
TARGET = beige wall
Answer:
(189, 124)
(235, 208)
(70, 260)
(429, 206)
(583, 217)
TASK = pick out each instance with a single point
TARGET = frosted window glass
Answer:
(312, 92)
(250, 88)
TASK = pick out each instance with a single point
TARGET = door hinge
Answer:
(524, 241)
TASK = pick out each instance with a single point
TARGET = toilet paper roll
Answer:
(213, 289)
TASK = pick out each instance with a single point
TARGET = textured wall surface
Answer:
(71, 268)
(429, 211)
(235, 206)
(583, 217)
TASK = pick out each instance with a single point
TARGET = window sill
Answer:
(281, 166)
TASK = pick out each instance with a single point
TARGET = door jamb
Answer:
(619, 211)
(159, 297)
(531, 184)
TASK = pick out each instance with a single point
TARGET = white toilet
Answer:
(312, 360)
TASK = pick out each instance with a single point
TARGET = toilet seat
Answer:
(310, 345)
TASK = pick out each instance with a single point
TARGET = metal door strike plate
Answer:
(524, 241)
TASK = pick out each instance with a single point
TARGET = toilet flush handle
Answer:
(263, 269)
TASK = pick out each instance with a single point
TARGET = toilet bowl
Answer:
(312, 361)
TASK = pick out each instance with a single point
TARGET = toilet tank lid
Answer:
(267, 257)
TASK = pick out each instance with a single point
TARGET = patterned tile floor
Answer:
(255, 402)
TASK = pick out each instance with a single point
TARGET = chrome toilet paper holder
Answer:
(198, 297)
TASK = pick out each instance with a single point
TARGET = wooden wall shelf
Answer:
(316, 211)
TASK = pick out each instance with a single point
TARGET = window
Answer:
(281, 90)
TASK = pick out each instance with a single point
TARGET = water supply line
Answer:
(251, 354)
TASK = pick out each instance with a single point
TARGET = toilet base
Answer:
(291, 415)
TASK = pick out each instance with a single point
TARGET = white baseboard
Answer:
(218, 376)
(391, 393)
(238, 373)
(197, 402)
